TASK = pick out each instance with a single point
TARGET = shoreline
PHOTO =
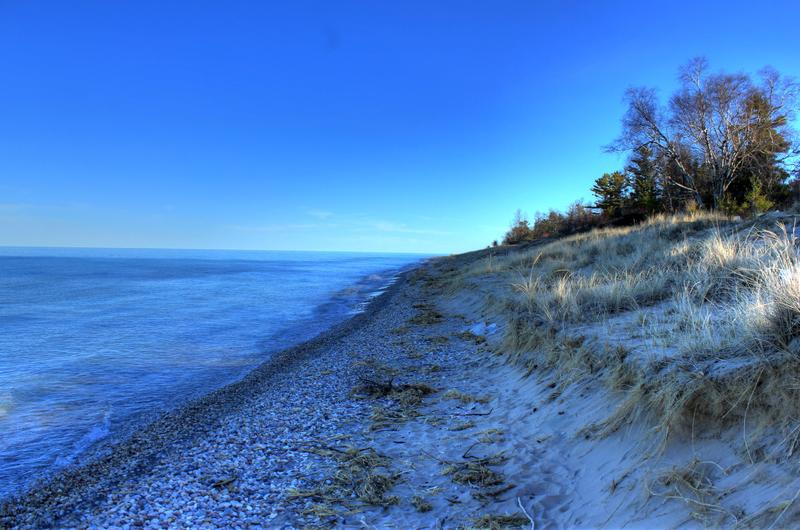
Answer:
(99, 346)
(115, 461)
(412, 414)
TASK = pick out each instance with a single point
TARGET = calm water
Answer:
(93, 342)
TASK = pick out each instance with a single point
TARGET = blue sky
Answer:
(377, 126)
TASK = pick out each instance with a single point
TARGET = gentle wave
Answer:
(94, 342)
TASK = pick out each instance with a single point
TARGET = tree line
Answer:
(721, 141)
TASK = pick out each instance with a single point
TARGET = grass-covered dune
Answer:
(710, 310)
(690, 323)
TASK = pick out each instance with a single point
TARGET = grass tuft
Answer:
(500, 522)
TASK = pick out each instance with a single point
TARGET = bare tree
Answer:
(725, 122)
(645, 125)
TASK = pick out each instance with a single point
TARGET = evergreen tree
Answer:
(756, 200)
(611, 191)
(645, 196)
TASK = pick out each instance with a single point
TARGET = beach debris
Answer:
(527, 515)
(426, 315)
(465, 398)
(437, 339)
(407, 394)
(500, 522)
(362, 477)
(475, 472)
(693, 485)
(473, 413)
(421, 504)
(491, 495)
(223, 482)
(376, 369)
(403, 399)
(383, 418)
(462, 426)
(471, 337)
(489, 436)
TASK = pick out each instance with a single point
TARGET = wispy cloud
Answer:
(275, 227)
(352, 224)
(401, 228)
(322, 215)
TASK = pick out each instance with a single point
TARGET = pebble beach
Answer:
(230, 458)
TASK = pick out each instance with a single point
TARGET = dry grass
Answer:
(719, 299)
(462, 426)
(476, 472)
(500, 522)
(589, 276)
(737, 325)
(360, 478)
(692, 484)
(471, 337)
(437, 340)
(420, 504)
(465, 398)
(426, 315)
(399, 401)
(490, 436)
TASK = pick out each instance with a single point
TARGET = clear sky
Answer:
(332, 125)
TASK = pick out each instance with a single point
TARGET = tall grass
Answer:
(727, 295)
(589, 276)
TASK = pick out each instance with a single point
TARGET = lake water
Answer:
(94, 342)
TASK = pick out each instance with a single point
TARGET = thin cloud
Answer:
(322, 215)
(343, 225)
(400, 228)
(276, 227)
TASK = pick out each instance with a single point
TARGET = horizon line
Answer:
(79, 247)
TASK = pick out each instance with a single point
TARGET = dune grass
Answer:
(723, 297)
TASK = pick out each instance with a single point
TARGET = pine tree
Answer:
(611, 191)
(756, 200)
(645, 196)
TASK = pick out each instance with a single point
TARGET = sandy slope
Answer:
(557, 470)
(561, 479)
